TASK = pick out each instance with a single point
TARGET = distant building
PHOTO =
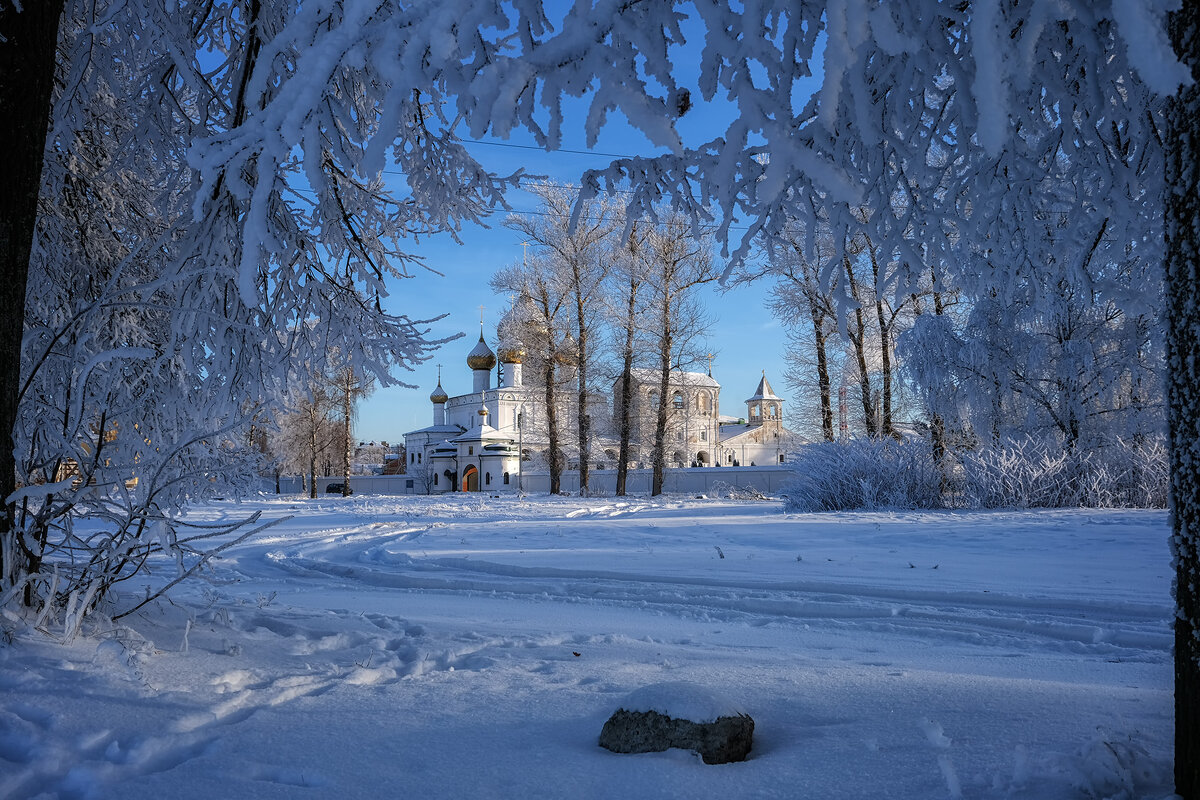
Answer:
(481, 440)
(761, 439)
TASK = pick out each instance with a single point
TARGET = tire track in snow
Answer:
(1129, 631)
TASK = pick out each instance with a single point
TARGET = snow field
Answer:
(473, 647)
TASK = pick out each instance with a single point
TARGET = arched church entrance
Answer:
(702, 458)
(470, 481)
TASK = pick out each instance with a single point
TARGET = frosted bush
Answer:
(866, 474)
(1041, 473)
(1019, 473)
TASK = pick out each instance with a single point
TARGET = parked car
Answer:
(337, 488)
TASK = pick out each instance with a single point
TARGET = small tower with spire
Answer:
(765, 408)
(439, 397)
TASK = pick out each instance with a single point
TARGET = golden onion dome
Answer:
(439, 395)
(567, 353)
(481, 356)
(511, 355)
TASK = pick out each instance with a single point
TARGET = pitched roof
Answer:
(764, 391)
(677, 378)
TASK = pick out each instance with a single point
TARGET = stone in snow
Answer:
(681, 715)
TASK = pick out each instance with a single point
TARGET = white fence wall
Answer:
(701, 480)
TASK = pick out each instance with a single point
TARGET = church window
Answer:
(506, 479)
(487, 479)
(704, 436)
(677, 401)
(435, 477)
(470, 450)
(419, 458)
(408, 484)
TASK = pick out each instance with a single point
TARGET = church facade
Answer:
(489, 438)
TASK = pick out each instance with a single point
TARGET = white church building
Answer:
(488, 438)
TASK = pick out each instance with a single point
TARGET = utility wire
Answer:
(544, 150)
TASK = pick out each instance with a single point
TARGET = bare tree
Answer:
(794, 260)
(349, 387)
(628, 279)
(677, 264)
(548, 345)
(579, 255)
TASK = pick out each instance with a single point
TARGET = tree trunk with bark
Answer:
(885, 348)
(555, 462)
(348, 391)
(583, 420)
(820, 338)
(1183, 392)
(313, 450)
(27, 60)
(625, 419)
(666, 343)
(857, 336)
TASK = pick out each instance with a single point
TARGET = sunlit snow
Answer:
(468, 646)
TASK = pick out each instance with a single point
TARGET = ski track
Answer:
(394, 560)
(1127, 631)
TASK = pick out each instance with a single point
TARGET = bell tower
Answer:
(765, 408)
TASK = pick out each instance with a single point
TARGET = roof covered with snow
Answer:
(678, 378)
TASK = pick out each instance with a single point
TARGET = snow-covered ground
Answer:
(472, 647)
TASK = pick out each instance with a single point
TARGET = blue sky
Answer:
(744, 336)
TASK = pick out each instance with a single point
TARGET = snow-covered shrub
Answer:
(865, 474)
(728, 491)
(1041, 473)
(1031, 472)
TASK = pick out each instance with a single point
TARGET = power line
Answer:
(544, 150)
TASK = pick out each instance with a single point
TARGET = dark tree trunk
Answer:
(584, 421)
(27, 60)
(858, 340)
(626, 414)
(885, 348)
(937, 424)
(823, 385)
(1183, 392)
(552, 426)
(347, 415)
(660, 425)
(312, 453)
(666, 341)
